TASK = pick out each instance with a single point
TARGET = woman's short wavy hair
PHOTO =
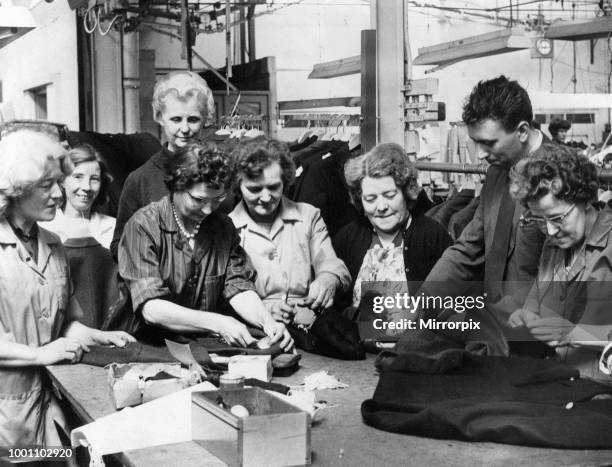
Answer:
(207, 163)
(23, 156)
(86, 153)
(253, 156)
(554, 169)
(184, 85)
(384, 160)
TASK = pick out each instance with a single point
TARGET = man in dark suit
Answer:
(493, 248)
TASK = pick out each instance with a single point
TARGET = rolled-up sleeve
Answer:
(240, 274)
(323, 256)
(139, 262)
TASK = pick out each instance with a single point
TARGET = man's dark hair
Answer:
(498, 99)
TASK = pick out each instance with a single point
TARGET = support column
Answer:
(131, 83)
(389, 18)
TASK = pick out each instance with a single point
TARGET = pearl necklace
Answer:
(182, 229)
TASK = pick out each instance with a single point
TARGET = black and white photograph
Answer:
(268, 233)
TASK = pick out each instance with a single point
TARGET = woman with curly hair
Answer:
(287, 242)
(568, 305)
(392, 240)
(182, 261)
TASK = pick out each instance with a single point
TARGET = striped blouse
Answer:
(155, 261)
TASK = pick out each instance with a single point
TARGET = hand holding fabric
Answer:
(116, 338)
(281, 311)
(235, 333)
(60, 350)
(521, 317)
(322, 291)
(278, 332)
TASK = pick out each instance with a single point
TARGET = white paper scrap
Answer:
(161, 421)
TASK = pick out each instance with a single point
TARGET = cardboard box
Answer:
(251, 366)
(275, 433)
(135, 383)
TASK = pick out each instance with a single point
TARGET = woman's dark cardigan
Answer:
(424, 242)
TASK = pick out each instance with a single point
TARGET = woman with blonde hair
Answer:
(183, 106)
(38, 322)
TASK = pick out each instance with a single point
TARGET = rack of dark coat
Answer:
(604, 175)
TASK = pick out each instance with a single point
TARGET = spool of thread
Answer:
(231, 381)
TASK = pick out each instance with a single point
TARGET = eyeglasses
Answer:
(556, 221)
(216, 201)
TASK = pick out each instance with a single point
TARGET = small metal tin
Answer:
(228, 381)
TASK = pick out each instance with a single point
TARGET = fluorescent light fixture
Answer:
(580, 30)
(15, 21)
(483, 45)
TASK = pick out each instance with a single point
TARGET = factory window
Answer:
(39, 98)
(580, 118)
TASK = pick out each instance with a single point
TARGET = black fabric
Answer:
(460, 219)
(303, 161)
(453, 204)
(453, 394)
(337, 337)
(323, 185)
(425, 241)
(201, 347)
(295, 146)
(332, 335)
(282, 364)
(94, 277)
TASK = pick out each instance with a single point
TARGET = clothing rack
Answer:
(604, 175)
(243, 119)
(320, 119)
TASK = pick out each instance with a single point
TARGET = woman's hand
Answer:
(322, 291)
(278, 332)
(281, 311)
(59, 350)
(116, 338)
(89, 336)
(552, 329)
(521, 317)
(235, 333)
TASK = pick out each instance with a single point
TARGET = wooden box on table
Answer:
(274, 434)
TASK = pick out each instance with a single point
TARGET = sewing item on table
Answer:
(136, 383)
(251, 366)
(182, 352)
(240, 411)
(264, 343)
(322, 380)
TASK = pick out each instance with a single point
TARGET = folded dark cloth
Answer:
(201, 347)
(458, 395)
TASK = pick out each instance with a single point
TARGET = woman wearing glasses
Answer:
(569, 304)
(182, 261)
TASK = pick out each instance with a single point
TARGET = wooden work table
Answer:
(340, 438)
